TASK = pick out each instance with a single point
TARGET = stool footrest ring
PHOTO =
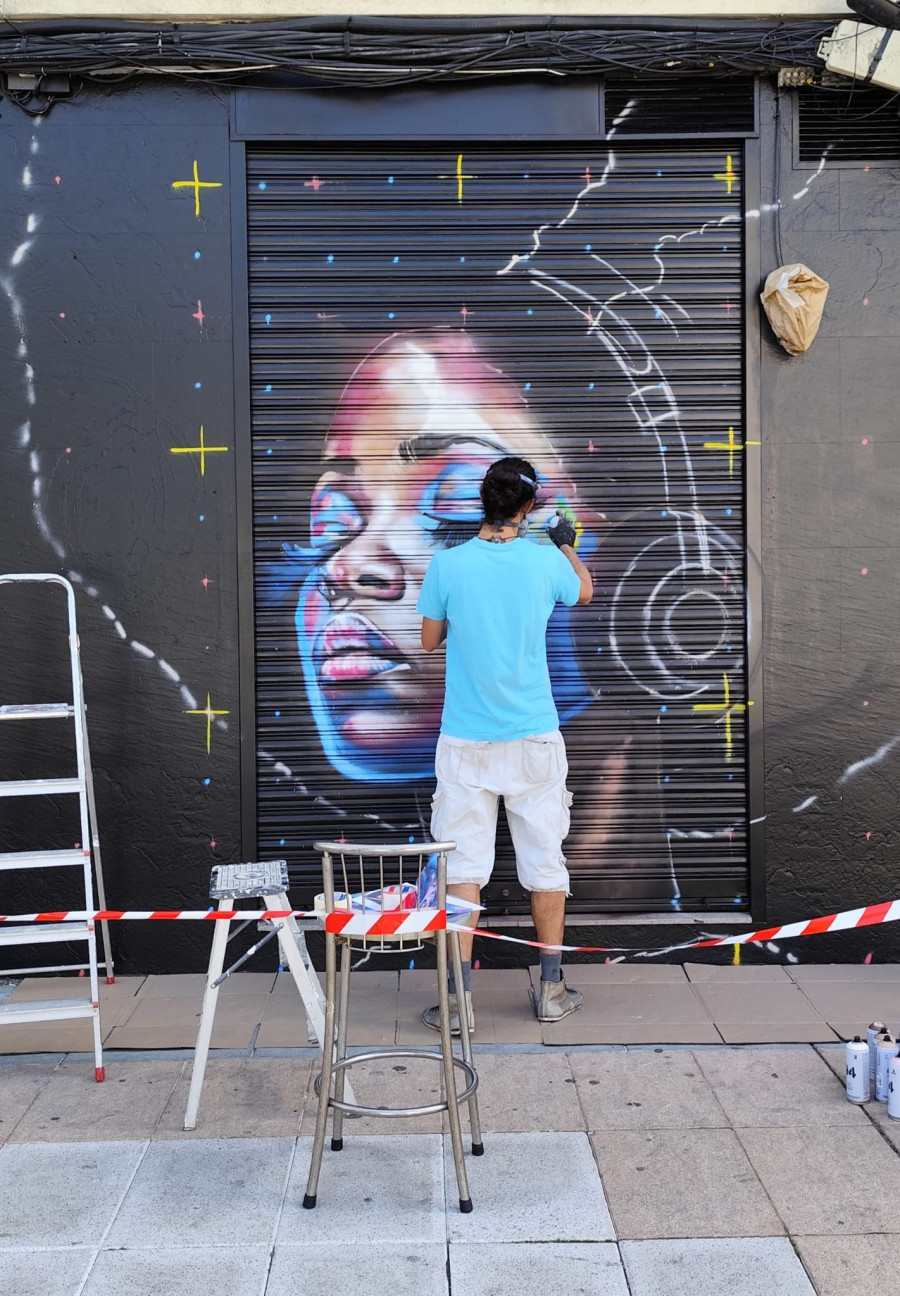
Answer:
(433, 1055)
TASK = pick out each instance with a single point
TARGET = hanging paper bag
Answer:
(793, 299)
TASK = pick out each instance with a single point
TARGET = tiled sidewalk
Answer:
(608, 1171)
(625, 1003)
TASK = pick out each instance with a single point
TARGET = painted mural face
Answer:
(418, 425)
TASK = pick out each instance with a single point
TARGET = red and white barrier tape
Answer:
(410, 921)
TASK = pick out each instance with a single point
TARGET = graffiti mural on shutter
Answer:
(416, 315)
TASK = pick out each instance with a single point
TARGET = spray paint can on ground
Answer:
(885, 1050)
(875, 1029)
(894, 1088)
(859, 1086)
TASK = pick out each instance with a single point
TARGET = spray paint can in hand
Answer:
(894, 1088)
(876, 1028)
(859, 1087)
(885, 1050)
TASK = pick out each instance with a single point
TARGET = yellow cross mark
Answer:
(196, 184)
(730, 445)
(202, 450)
(459, 177)
(726, 709)
(210, 715)
(729, 175)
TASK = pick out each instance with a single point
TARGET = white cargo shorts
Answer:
(530, 775)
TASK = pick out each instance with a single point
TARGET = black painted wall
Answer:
(102, 266)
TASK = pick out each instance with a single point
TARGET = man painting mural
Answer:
(491, 598)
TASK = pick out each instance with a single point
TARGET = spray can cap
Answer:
(857, 1040)
(877, 1026)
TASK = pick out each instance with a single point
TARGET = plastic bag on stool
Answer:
(793, 299)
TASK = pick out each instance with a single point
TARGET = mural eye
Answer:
(334, 519)
(453, 496)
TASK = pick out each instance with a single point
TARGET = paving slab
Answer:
(403, 1268)
(648, 1011)
(116, 1005)
(823, 1183)
(537, 1187)
(857, 1265)
(726, 1266)
(865, 972)
(373, 1012)
(615, 974)
(62, 1194)
(728, 974)
(255, 1097)
(858, 1001)
(682, 1183)
(761, 1004)
(190, 985)
(160, 1022)
(122, 990)
(503, 1009)
(44, 1273)
(388, 1187)
(180, 1271)
(529, 1269)
(526, 1091)
(213, 1193)
(72, 1106)
(813, 1032)
(20, 1084)
(645, 1090)
(777, 1087)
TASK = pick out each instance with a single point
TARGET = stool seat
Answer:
(381, 896)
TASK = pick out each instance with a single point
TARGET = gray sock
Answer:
(467, 976)
(550, 969)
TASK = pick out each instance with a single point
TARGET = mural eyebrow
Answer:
(430, 444)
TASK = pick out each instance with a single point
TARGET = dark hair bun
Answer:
(508, 485)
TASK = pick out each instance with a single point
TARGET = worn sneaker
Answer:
(556, 1001)
(432, 1016)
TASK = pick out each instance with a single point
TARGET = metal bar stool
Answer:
(393, 898)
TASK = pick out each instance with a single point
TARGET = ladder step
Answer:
(37, 711)
(41, 787)
(46, 1010)
(41, 859)
(43, 933)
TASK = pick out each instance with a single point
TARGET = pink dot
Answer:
(868, 836)
(212, 845)
(68, 449)
(866, 703)
(868, 958)
(62, 314)
(865, 168)
(864, 571)
(865, 301)
(865, 440)
(57, 179)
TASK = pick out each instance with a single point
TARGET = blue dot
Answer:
(197, 386)
(731, 776)
(664, 513)
(663, 708)
(724, 247)
(412, 962)
(728, 647)
(657, 314)
(529, 311)
(197, 256)
(737, 900)
(590, 386)
(659, 173)
(462, 260)
(663, 449)
(281, 841)
(528, 386)
(411, 838)
(728, 512)
(526, 176)
(390, 314)
(330, 258)
(665, 778)
(269, 451)
(587, 247)
(262, 184)
(396, 260)
(390, 179)
(277, 715)
(202, 517)
(599, 650)
(268, 320)
(274, 517)
(206, 782)
(268, 387)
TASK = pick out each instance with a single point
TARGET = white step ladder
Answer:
(82, 786)
(266, 882)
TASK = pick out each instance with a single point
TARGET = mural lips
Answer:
(349, 648)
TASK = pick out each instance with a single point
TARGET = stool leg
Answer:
(337, 1116)
(466, 1041)
(459, 1160)
(221, 929)
(328, 1042)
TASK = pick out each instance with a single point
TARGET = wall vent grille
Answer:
(668, 105)
(858, 125)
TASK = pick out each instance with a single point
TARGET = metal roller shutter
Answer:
(589, 307)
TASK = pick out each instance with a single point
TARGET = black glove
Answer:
(561, 531)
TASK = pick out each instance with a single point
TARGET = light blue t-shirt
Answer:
(497, 600)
